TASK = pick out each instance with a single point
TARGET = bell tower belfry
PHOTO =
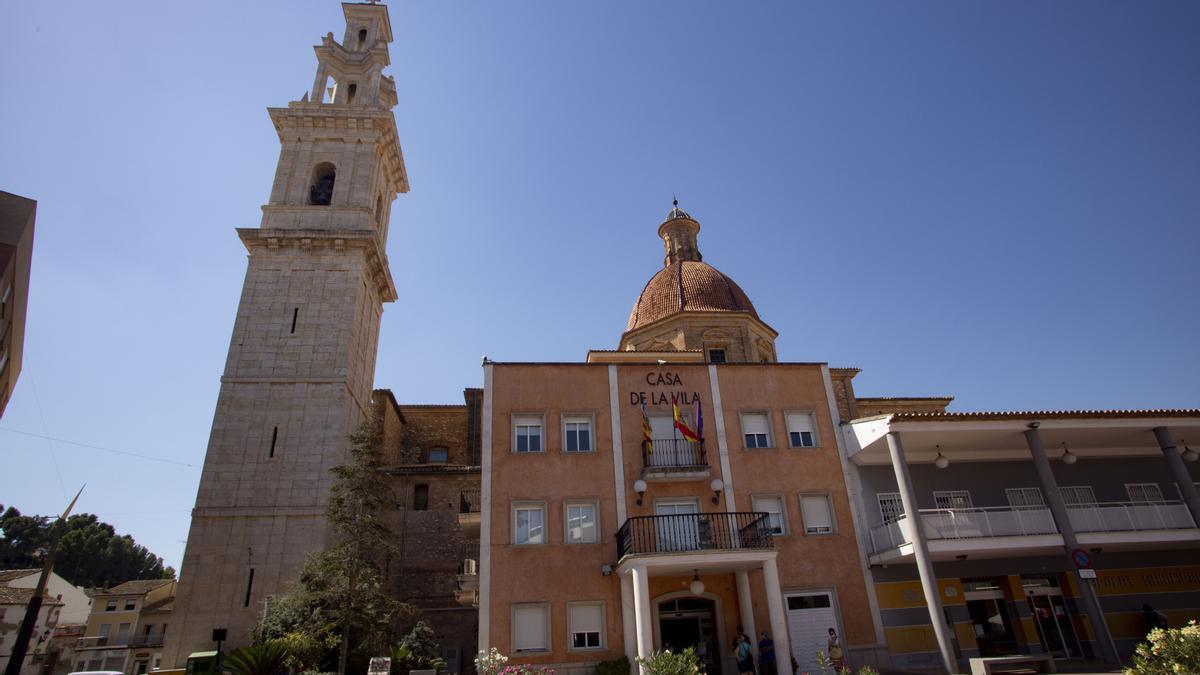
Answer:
(301, 362)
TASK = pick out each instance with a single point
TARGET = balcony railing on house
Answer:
(693, 532)
(673, 453)
(1007, 521)
(469, 501)
(93, 641)
(147, 640)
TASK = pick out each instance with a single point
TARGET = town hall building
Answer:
(688, 484)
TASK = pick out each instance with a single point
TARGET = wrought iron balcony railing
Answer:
(694, 532)
(673, 453)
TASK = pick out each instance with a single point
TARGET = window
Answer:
(420, 498)
(439, 455)
(890, 506)
(757, 429)
(952, 499)
(321, 191)
(528, 432)
(122, 634)
(801, 431)
(585, 622)
(716, 356)
(818, 516)
(351, 92)
(110, 606)
(773, 507)
(531, 625)
(582, 527)
(362, 37)
(1144, 493)
(130, 604)
(577, 433)
(1077, 494)
(1025, 498)
(529, 524)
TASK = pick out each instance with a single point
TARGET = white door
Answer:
(809, 618)
(677, 525)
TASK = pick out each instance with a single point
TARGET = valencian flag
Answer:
(683, 427)
(647, 432)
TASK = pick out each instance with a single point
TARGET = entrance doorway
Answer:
(989, 617)
(1055, 628)
(691, 622)
(809, 618)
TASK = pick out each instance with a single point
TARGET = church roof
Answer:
(688, 286)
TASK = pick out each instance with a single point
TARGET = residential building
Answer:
(13, 603)
(16, 256)
(127, 627)
(64, 608)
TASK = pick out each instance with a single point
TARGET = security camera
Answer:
(606, 570)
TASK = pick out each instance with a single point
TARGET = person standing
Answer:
(745, 655)
(833, 647)
(766, 654)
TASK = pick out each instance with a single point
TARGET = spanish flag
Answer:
(682, 426)
(647, 431)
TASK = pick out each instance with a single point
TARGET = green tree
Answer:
(90, 553)
(339, 598)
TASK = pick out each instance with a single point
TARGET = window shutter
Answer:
(662, 426)
(817, 517)
(1019, 497)
(798, 422)
(530, 631)
(756, 424)
(585, 618)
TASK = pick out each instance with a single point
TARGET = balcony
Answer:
(1000, 531)
(674, 459)
(694, 533)
(149, 640)
(469, 502)
(97, 641)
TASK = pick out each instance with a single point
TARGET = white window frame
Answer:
(812, 418)
(1075, 491)
(603, 643)
(529, 506)
(520, 420)
(547, 633)
(1133, 488)
(945, 499)
(887, 497)
(579, 418)
(595, 505)
(781, 503)
(833, 529)
(766, 415)
(1025, 498)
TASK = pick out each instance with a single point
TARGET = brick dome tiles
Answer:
(688, 286)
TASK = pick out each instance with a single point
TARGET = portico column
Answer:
(745, 605)
(642, 614)
(933, 596)
(778, 614)
(628, 620)
(1087, 587)
(1187, 488)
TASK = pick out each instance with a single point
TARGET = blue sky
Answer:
(996, 201)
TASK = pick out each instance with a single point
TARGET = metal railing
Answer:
(148, 640)
(673, 453)
(689, 532)
(1007, 521)
(97, 641)
(469, 501)
(468, 558)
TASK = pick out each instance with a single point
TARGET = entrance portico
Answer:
(636, 572)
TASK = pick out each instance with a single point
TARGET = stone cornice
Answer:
(337, 240)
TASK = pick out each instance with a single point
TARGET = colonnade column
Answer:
(933, 596)
(745, 606)
(642, 615)
(628, 618)
(1187, 488)
(1062, 519)
(778, 614)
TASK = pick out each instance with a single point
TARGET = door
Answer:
(662, 431)
(809, 618)
(677, 525)
(989, 618)
(1055, 629)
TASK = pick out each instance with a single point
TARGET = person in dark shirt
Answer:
(766, 654)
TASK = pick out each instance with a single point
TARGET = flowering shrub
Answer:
(671, 663)
(492, 662)
(1168, 652)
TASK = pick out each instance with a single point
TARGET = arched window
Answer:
(362, 38)
(321, 191)
(350, 92)
(330, 93)
(421, 498)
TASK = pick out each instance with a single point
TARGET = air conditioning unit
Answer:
(470, 566)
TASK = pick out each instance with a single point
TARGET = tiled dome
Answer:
(688, 286)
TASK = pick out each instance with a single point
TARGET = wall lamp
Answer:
(1033, 425)
(639, 486)
(1068, 457)
(717, 485)
(941, 461)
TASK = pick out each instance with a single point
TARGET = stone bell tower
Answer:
(301, 362)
